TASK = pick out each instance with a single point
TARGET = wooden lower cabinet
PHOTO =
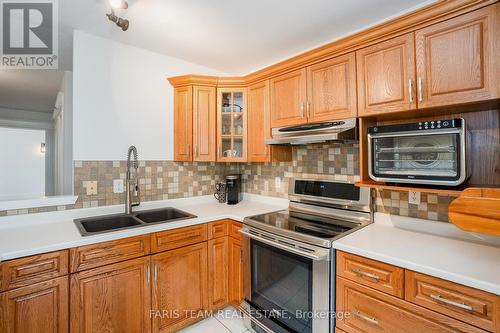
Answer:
(374, 311)
(236, 291)
(470, 305)
(113, 298)
(218, 280)
(41, 307)
(179, 287)
(371, 273)
(30, 270)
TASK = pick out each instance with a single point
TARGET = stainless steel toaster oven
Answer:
(427, 152)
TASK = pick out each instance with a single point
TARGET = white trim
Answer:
(25, 124)
(37, 202)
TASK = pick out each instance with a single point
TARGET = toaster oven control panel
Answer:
(420, 126)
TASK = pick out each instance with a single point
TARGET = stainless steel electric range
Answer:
(289, 274)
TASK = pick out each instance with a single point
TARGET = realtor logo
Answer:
(29, 34)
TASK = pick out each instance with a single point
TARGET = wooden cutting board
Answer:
(477, 210)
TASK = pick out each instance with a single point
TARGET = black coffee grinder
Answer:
(233, 189)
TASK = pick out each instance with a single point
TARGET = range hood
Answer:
(340, 130)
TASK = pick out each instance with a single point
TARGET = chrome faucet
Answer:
(134, 182)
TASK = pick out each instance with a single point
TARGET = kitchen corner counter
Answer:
(461, 261)
(25, 235)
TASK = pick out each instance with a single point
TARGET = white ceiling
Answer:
(32, 90)
(234, 37)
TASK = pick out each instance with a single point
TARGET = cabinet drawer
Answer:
(373, 311)
(384, 277)
(100, 254)
(218, 229)
(234, 229)
(25, 271)
(473, 306)
(172, 239)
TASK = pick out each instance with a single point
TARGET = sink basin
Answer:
(101, 224)
(163, 215)
(106, 223)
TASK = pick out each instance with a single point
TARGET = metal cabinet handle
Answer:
(420, 94)
(196, 150)
(155, 271)
(441, 299)
(282, 246)
(360, 272)
(410, 89)
(301, 109)
(265, 150)
(364, 317)
(148, 273)
(308, 107)
(189, 149)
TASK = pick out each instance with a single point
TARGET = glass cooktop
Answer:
(305, 224)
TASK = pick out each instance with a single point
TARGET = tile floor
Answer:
(228, 320)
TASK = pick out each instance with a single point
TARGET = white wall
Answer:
(121, 97)
(67, 91)
(23, 165)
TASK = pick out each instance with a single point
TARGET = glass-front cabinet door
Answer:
(232, 125)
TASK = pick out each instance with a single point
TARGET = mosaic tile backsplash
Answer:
(161, 180)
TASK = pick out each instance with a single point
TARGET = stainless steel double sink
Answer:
(101, 224)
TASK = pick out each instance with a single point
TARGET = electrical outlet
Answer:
(277, 183)
(92, 187)
(117, 185)
(414, 197)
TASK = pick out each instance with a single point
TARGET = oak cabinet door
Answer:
(218, 278)
(179, 287)
(457, 60)
(259, 128)
(236, 289)
(204, 123)
(288, 99)
(113, 298)
(331, 89)
(386, 76)
(41, 307)
(183, 123)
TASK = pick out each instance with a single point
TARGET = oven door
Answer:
(288, 287)
(429, 157)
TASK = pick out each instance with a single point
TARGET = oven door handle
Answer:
(291, 249)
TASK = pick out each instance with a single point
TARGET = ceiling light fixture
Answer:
(118, 4)
(120, 22)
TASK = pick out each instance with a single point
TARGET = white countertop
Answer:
(404, 242)
(464, 262)
(25, 235)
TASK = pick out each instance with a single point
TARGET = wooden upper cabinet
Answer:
(113, 298)
(288, 99)
(204, 123)
(232, 124)
(331, 89)
(41, 307)
(457, 60)
(386, 76)
(258, 122)
(179, 287)
(183, 123)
